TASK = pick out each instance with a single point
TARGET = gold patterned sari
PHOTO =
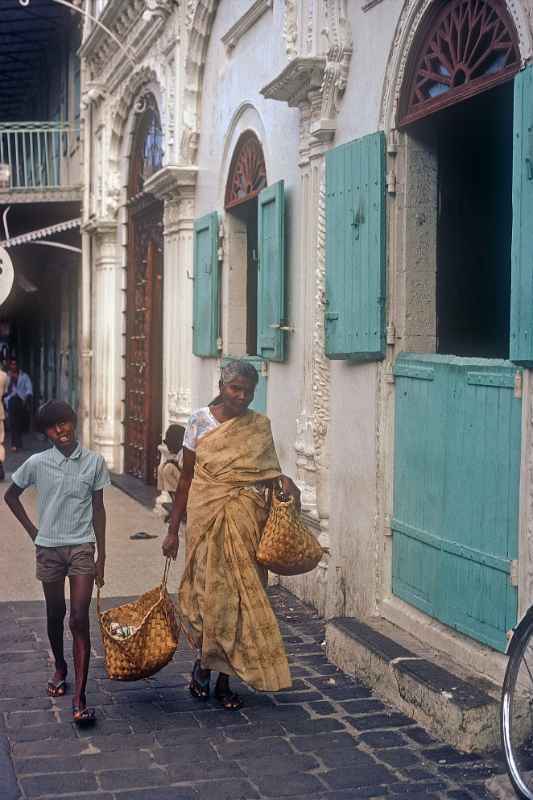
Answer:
(222, 598)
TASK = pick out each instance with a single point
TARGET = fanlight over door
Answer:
(469, 46)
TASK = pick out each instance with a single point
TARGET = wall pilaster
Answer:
(176, 186)
(108, 302)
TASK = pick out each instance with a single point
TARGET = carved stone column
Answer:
(176, 186)
(107, 393)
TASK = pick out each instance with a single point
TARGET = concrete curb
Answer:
(452, 708)
(8, 779)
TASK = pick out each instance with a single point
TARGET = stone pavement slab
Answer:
(325, 739)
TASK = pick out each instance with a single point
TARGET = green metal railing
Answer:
(36, 152)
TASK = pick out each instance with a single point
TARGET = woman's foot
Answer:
(57, 684)
(82, 715)
(227, 699)
(200, 679)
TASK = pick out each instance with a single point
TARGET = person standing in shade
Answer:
(70, 481)
(19, 401)
(4, 382)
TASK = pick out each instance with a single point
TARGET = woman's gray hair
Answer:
(239, 368)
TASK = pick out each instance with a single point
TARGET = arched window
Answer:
(147, 150)
(247, 175)
(469, 46)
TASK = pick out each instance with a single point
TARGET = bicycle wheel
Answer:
(516, 713)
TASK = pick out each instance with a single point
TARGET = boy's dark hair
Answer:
(174, 438)
(52, 412)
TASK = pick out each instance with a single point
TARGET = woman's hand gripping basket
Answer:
(139, 638)
(286, 546)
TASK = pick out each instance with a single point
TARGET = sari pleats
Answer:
(222, 597)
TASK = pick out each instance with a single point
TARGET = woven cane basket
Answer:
(154, 637)
(286, 546)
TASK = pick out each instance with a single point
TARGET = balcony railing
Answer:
(39, 154)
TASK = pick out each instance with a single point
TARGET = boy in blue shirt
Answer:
(69, 480)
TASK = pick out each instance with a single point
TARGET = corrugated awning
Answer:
(42, 233)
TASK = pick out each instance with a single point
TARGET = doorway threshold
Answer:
(457, 706)
(134, 487)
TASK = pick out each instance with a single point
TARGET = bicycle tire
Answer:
(512, 757)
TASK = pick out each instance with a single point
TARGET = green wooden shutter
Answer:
(521, 334)
(355, 249)
(271, 284)
(206, 302)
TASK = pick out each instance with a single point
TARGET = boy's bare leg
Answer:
(54, 593)
(81, 589)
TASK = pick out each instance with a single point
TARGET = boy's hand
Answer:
(99, 567)
(170, 545)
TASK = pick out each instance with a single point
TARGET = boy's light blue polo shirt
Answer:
(64, 493)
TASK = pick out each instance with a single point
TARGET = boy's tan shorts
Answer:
(57, 563)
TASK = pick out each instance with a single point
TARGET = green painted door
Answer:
(521, 337)
(456, 487)
(206, 287)
(271, 338)
(355, 249)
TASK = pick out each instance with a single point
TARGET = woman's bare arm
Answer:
(179, 505)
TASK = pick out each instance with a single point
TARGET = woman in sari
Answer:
(229, 465)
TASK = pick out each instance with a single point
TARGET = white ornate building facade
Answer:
(313, 185)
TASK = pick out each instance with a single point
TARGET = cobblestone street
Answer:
(327, 739)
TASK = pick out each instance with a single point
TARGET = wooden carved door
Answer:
(144, 341)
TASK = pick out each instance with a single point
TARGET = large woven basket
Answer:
(154, 637)
(286, 546)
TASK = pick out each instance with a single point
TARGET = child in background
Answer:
(169, 471)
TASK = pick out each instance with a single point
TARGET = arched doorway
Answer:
(144, 296)
(457, 412)
(246, 179)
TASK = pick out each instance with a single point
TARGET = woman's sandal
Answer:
(56, 689)
(199, 687)
(83, 716)
(228, 699)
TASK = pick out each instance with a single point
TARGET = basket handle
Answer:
(166, 570)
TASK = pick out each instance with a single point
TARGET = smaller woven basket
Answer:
(286, 546)
(154, 634)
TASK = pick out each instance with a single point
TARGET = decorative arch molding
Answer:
(246, 118)
(199, 23)
(407, 30)
(122, 117)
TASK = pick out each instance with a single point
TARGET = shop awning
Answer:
(41, 233)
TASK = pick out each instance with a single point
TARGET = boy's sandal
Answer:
(83, 716)
(56, 689)
(199, 687)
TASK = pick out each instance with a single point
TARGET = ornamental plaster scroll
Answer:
(409, 23)
(290, 28)
(245, 23)
(321, 365)
(136, 23)
(323, 60)
(115, 116)
(200, 16)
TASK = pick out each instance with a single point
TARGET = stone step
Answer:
(462, 709)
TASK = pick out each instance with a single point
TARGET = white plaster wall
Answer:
(229, 83)
(232, 86)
